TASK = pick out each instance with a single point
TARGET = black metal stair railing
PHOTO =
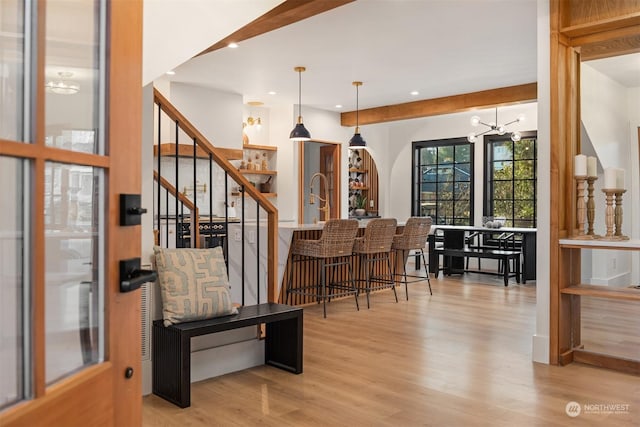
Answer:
(178, 222)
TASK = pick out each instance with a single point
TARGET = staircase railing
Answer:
(201, 148)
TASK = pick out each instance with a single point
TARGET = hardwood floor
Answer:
(459, 357)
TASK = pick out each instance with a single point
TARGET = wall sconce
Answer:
(253, 121)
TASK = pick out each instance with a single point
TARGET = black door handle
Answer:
(132, 276)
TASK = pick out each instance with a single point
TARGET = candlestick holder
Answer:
(581, 208)
(591, 208)
(613, 217)
(617, 215)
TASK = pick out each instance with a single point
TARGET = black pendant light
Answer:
(356, 140)
(299, 133)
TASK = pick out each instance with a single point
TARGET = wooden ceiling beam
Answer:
(286, 13)
(446, 105)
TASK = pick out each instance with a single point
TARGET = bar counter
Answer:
(304, 272)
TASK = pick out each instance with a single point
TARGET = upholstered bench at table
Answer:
(501, 255)
(172, 345)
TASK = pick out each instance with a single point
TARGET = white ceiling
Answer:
(437, 47)
(623, 69)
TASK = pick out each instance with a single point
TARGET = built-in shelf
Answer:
(267, 195)
(259, 147)
(358, 170)
(358, 188)
(254, 172)
(168, 149)
(632, 244)
(628, 294)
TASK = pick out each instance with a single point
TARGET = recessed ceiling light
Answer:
(415, 92)
(338, 105)
(171, 73)
(271, 92)
(232, 45)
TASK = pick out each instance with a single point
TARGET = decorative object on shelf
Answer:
(360, 205)
(243, 165)
(299, 132)
(356, 140)
(63, 86)
(199, 188)
(495, 127)
(614, 189)
(265, 163)
(591, 207)
(250, 165)
(265, 187)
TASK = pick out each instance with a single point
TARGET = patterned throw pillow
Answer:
(193, 284)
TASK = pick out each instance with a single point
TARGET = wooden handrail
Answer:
(195, 216)
(219, 157)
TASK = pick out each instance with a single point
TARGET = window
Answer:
(510, 178)
(442, 176)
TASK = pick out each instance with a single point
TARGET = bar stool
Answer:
(374, 246)
(334, 248)
(413, 238)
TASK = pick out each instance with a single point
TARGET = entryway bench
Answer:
(172, 345)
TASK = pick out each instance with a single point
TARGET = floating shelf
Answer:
(259, 147)
(267, 195)
(628, 294)
(252, 172)
(633, 244)
(168, 149)
(358, 170)
(358, 188)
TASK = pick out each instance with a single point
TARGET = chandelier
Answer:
(64, 86)
(495, 127)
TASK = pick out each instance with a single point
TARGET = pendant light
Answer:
(299, 133)
(356, 140)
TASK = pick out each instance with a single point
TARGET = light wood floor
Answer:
(460, 357)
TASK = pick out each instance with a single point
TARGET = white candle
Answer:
(620, 179)
(610, 178)
(592, 167)
(580, 165)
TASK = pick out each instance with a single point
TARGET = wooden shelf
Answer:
(628, 294)
(267, 195)
(359, 188)
(168, 149)
(358, 170)
(632, 244)
(259, 147)
(260, 172)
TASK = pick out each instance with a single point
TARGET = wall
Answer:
(605, 111)
(540, 339)
(217, 115)
(397, 158)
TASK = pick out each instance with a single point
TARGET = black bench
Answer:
(502, 255)
(172, 345)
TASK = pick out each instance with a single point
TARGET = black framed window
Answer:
(442, 177)
(511, 179)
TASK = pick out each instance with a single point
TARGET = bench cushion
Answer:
(193, 284)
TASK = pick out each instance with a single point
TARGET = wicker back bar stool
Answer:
(374, 246)
(413, 238)
(332, 249)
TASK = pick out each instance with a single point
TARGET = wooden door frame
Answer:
(337, 165)
(119, 401)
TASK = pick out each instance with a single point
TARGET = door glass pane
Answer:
(11, 69)
(72, 75)
(11, 282)
(73, 278)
